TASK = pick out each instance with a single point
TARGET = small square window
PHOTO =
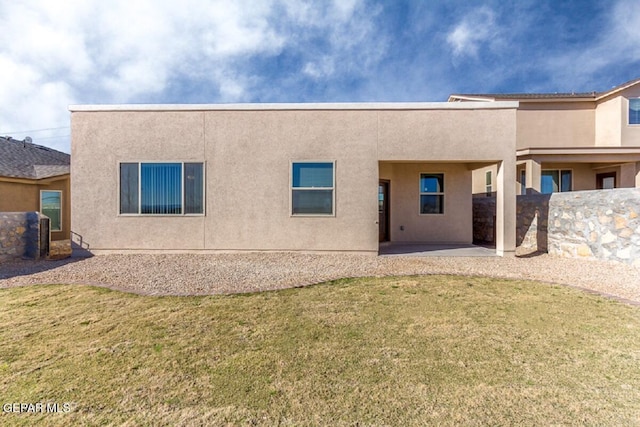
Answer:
(312, 188)
(431, 193)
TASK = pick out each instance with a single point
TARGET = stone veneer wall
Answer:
(484, 216)
(19, 235)
(601, 224)
(531, 221)
(598, 224)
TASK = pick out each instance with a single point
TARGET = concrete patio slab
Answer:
(435, 250)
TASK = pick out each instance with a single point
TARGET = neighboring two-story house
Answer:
(571, 141)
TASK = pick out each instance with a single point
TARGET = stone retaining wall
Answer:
(598, 224)
(484, 216)
(19, 235)
(531, 221)
(602, 224)
(59, 249)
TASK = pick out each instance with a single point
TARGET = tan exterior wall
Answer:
(556, 125)
(408, 225)
(24, 197)
(479, 179)
(609, 122)
(248, 155)
(18, 197)
(612, 120)
(446, 135)
(630, 133)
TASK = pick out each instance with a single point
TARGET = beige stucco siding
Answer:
(556, 125)
(407, 224)
(250, 155)
(17, 197)
(446, 135)
(609, 122)
(99, 142)
(630, 136)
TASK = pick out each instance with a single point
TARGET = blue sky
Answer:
(56, 53)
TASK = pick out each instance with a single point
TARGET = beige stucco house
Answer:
(570, 141)
(287, 177)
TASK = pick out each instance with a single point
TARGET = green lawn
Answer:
(432, 350)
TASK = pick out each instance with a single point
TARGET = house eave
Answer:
(34, 181)
(297, 106)
(580, 154)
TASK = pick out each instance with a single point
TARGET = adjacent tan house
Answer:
(287, 177)
(36, 178)
(571, 141)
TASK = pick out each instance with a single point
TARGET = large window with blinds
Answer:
(154, 188)
(312, 188)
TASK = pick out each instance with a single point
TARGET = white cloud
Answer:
(91, 51)
(475, 29)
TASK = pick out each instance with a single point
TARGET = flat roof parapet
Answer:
(499, 105)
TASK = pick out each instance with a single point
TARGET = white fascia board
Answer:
(577, 150)
(501, 105)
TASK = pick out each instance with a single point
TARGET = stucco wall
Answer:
(248, 155)
(556, 125)
(630, 133)
(609, 122)
(407, 224)
(612, 120)
(18, 197)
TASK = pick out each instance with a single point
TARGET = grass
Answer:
(433, 350)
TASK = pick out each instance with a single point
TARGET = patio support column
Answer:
(533, 176)
(628, 175)
(637, 174)
(506, 208)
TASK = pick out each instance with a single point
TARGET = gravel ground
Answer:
(189, 274)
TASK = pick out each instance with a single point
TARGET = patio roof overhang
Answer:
(580, 154)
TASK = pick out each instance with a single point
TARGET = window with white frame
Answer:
(488, 183)
(556, 180)
(634, 111)
(431, 193)
(154, 188)
(51, 206)
(312, 188)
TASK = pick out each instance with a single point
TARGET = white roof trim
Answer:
(301, 106)
(578, 150)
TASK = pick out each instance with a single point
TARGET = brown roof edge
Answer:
(568, 96)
